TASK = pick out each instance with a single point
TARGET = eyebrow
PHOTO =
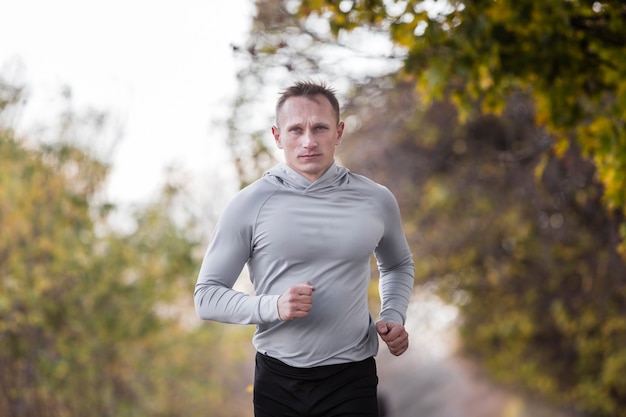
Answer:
(316, 124)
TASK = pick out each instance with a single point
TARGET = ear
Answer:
(340, 127)
(276, 134)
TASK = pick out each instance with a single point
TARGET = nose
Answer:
(308, 140)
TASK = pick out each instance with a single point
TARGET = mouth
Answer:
(310, 156)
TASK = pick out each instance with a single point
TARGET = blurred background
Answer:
(125, 127)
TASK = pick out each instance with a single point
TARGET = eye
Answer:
(321, 128)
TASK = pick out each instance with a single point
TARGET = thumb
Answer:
(381, 327)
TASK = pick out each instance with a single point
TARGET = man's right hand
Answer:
(296, 302)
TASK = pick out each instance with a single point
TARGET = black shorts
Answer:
(346, 390)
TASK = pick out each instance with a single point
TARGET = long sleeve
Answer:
(229, 250)
(395, 264)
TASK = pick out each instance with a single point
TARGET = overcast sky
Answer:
(162, 70)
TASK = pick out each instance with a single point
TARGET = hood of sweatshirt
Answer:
(284, 176)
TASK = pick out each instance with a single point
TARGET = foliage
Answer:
(511, 233)
(91, 319)
(515, 216)
(568, 55)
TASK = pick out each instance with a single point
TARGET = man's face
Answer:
(308, 132)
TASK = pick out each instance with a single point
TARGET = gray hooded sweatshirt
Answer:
(289, 230)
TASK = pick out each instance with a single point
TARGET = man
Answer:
(307, 230)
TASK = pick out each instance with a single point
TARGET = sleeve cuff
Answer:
(392, 316)
(268, 308)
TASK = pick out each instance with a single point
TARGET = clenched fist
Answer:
(296, 302)
(394, 335)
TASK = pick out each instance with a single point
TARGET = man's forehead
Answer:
(306, 122)
(292, 106)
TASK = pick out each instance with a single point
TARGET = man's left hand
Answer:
(394, 335)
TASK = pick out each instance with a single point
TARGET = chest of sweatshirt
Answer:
(338, 225)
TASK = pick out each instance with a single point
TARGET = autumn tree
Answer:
(511, 233)
(566, 55)
(93, 320)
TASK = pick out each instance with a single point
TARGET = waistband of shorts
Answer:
(279, 366)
